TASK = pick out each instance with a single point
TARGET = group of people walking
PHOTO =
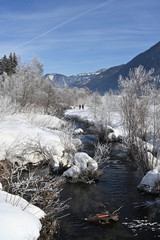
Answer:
(81, 106)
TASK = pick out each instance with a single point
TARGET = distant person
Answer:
(80, 106)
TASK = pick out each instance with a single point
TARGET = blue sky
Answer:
(75, 36)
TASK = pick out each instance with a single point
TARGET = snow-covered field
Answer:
(18, 132)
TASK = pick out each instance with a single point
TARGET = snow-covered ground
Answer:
(19, 220)
(86, 114)
(152, 178)
(81, 162)
(20, 134)
(82, 114)
(19, 131)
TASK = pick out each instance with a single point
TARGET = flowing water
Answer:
(139, 216)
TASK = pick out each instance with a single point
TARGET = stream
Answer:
(139, 217)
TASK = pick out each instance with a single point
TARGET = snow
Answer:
(78, 131)
(150, 159)
(77, 142)
(81, 162)
(150, 180)
(116, 124)
(19, 220)
(82, 114)
(17, 225)
(16, 131)
(115, 136)
(48, 121)
(117, 133)
(50, 77)
(21, 203)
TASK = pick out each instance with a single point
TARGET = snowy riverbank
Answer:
(31, 138)
(23, 135)
(115, 125)
(19, 220)
(152, 178)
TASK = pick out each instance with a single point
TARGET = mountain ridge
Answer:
(105, 79)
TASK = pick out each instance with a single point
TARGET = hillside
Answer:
(106, 79)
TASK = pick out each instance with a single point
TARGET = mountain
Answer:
(106, 79)
(149, 59)
(58, 79)
(79, 80)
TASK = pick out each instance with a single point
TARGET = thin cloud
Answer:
(34, 16)
(65, 22)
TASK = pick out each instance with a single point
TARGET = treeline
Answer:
(8, 64)
(137, 102)
(28, 90)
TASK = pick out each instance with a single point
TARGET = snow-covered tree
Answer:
(136, 91)
(137, 94)
(95, 104)
(27, 87)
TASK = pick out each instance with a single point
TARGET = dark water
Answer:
(116, 187)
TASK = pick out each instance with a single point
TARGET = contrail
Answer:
(65, 22)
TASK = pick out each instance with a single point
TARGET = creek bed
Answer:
(116, 187)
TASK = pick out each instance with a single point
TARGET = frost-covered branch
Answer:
(42, 191)
(66, 136)
(102, 152)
